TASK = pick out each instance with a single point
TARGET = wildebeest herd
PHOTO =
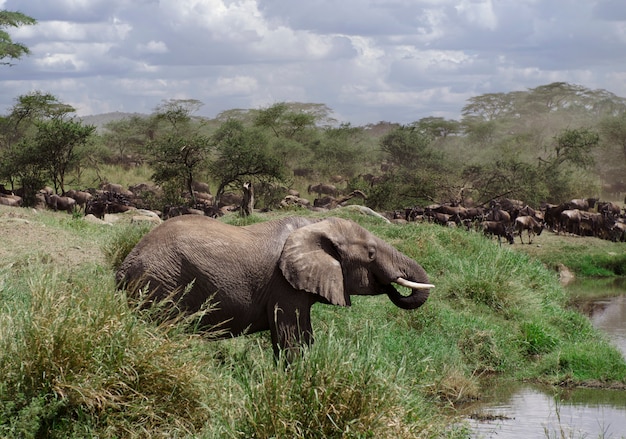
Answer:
(506, 218)
(502, 218)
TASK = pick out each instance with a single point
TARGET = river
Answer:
(513, 411)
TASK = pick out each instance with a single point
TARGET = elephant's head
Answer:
(335, 258)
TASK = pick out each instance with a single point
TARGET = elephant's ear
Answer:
(309, 262)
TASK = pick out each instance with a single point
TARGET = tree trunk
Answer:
(247, 205)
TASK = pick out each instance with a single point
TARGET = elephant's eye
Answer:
(371, 253)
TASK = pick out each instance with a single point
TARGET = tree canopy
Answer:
(41, 142)
(242, 154)
(8, 48)
(543, 144)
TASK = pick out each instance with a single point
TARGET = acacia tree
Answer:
(438, 127)
(571, 153)
(129, 136)
(27, 111)
(574, 146)
(41, 143)
(60, 145)
(338, 151)
(407, 146)
(8, 48)
(178, 151)
(418, 173)
(283, 122)
(176, 161)
(290, 129)
(242, 155)
(507, 176)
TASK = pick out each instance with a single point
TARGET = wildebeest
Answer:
(581, 203)
(323, 189)
(552, 215)
(81, 197)
(498, 214)
(57, 202)
(437, 217)
(450, 210)
(618, 232)
(609, 209)
(527, 222)
(10, 200)
(499, 229)
(569, 221)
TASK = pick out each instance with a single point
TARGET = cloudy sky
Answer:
(368, 60)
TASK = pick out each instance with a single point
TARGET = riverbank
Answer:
(77, 362)
(583, 256)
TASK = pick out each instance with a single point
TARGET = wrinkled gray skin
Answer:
(268, 275)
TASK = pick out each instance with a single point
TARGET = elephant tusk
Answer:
(412, 285)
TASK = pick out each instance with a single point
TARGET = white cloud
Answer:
(369, 60)
(235, 85)
(223, 21)
(153, 47)
(478, 12)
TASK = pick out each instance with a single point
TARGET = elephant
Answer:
(266, 276)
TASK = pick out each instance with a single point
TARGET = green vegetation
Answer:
(41, 143)
(550, 144)
(584, 256)
(76, 361)
(9, 48)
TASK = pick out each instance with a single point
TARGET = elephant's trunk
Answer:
(416, 299)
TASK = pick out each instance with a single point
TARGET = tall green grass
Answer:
(71, 350)
(77, 361)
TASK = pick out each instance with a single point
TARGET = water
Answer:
(607, 313)
(518, 410)
(525, 411)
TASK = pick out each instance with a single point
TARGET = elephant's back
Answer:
(185, 248)
(223, 256)
(157, 256)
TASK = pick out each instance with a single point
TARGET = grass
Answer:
(585, 256)
(71, 350)
(77, 361)
(91, 178)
